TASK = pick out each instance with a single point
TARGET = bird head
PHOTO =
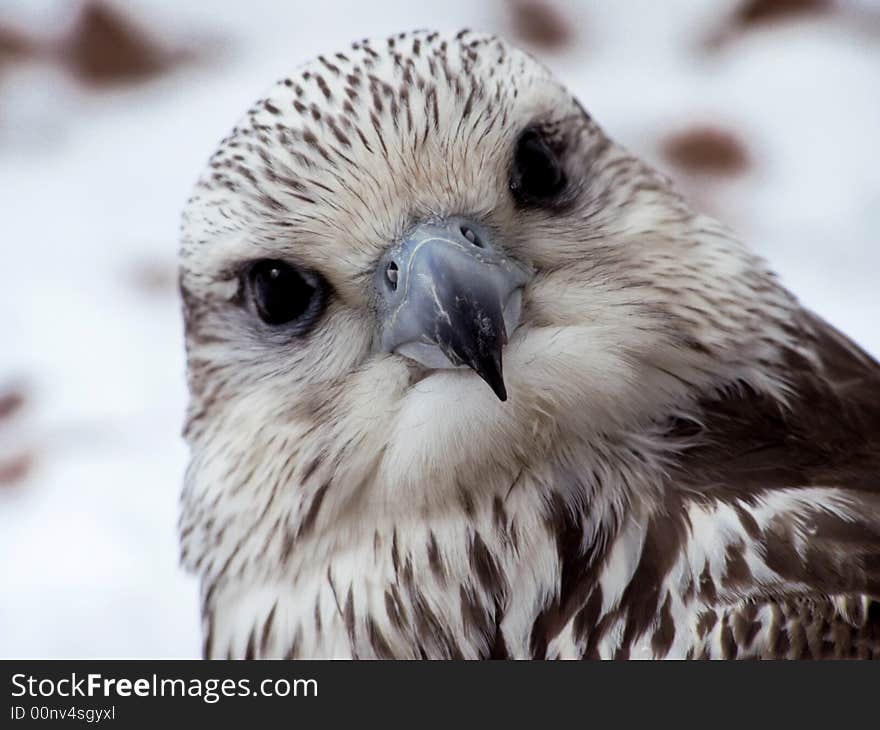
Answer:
(418, 265)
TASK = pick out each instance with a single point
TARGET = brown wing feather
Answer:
(827, 435)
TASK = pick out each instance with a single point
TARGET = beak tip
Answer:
(495, 381)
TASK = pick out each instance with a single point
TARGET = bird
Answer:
(469, 380)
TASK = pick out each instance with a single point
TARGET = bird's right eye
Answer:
(284, 294)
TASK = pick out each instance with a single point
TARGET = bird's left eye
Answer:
(537, 176)
(282, 293)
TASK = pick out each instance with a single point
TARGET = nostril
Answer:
(391, 274)
(471, 236)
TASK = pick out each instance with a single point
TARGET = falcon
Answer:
(469, 380)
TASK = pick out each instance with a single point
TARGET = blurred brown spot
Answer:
(762, 11)
(154, 277)
(107, 48)
(706, 151)
(15, 46)
(749, 13)
(15, 469)
(11, 402)
(540, 23)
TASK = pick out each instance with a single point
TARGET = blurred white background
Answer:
(767, 112)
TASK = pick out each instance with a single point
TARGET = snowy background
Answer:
(766, 111)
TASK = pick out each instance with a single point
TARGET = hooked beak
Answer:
(449, 298)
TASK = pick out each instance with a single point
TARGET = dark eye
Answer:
(537, 175)
(282, 293)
